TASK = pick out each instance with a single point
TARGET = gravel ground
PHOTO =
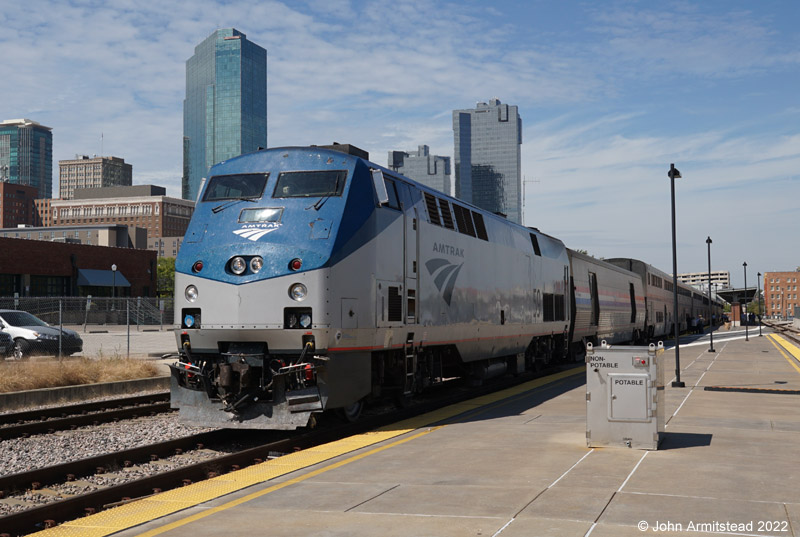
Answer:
(20, 454)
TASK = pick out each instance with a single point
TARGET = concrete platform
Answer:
(517, 465)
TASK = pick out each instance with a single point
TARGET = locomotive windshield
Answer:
(310, 184)
(229, 187)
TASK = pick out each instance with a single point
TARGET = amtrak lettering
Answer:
(254, 232)
(446, 249)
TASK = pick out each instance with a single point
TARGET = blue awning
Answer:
(101, 278)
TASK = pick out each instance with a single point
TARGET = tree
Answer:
(166, 277)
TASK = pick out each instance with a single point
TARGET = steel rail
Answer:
(68, 410)
(49, 426)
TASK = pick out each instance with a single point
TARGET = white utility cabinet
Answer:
(624, 396)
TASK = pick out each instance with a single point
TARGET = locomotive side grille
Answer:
(433, 210)
(447, 218)
(395, 304)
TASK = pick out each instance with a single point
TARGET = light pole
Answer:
(114, 288)
(760, 311)
(673, 173)
(747, 321)
(710, 305)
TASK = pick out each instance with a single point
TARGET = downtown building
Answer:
(17, 205)
(430, 170)
(721, 279)
(26, 155)
(487, 158)
(225, 109)
(162, 219)
(780, 294)
(95, 172)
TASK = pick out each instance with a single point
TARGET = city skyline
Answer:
(611, 95)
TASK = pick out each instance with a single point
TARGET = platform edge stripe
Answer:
(776, 340)
(788, 346)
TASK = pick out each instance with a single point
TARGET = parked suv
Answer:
(32, 335)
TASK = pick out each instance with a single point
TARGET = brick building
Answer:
(39, 268)
(17, 204)
(780, 293)
(144, 206)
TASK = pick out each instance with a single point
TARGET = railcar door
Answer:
(411, 251)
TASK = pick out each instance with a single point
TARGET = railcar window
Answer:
(227, 187)
(433, 210)
(480, 229)
(310, 184)
(447, 217)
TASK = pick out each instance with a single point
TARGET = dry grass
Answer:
(19, 376)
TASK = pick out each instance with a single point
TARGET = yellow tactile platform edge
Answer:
(141, 511)
(783, 344)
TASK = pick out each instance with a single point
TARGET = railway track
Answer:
(50, 420)
(273, 442)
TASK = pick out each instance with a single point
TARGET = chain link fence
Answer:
(86, 326)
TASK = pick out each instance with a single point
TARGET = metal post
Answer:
(710, 306)
(114, 288)
(128, 324)
(60, 326)
(747, 320)
(673, 173)
(760, 311)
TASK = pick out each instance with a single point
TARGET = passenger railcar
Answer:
(608, 303)
(311, 279)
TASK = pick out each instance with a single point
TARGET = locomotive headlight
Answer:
(238, 265)
(298, 291)
(191, 293)
(256, 263)
(305, 320)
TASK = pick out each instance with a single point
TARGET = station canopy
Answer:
(101, 278)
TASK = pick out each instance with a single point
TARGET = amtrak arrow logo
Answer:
(445, 274)
(253, 234)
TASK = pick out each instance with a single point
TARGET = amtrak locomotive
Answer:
(312, 279)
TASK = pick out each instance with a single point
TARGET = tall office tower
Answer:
(487, 157)
(225, 110)
(96, 172)
(421, 166)
(26, 155)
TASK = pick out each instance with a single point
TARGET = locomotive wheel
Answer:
(351, 413)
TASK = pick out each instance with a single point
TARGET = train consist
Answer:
(312, 279)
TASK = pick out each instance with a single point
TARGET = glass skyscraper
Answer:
(225, 110)
(488, 157)
(26, 155)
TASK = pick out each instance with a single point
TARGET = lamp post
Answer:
(710, 305)
(760, 311)
(114, 288)
(746, 322)
(673, 173)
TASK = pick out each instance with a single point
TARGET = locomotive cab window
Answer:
(310, 184)
(391, 192)
(228, 187)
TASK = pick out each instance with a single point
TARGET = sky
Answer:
(610, 94)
